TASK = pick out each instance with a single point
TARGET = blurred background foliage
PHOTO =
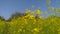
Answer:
(31, 22)
(24, 23)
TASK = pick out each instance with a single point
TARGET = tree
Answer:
(16, 15)
(2, 18)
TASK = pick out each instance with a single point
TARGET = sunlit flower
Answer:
(38, 12)
(20, 30)
(34, 21)
(25, 21)
(36, 29)
(31, 17)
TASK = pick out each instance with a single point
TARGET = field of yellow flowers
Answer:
(29, 24)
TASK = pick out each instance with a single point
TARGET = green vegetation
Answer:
(29, 24)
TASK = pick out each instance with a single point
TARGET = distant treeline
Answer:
(18, 14)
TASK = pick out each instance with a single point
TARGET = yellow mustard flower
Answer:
(25, 21)
(11, 23)
(20, 30)
(38, 12)
(36, 29)
(34, 21)
(32, 17)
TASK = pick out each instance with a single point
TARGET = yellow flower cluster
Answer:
(38, 12)
(29, 24)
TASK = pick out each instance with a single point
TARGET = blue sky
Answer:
(8, 7)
